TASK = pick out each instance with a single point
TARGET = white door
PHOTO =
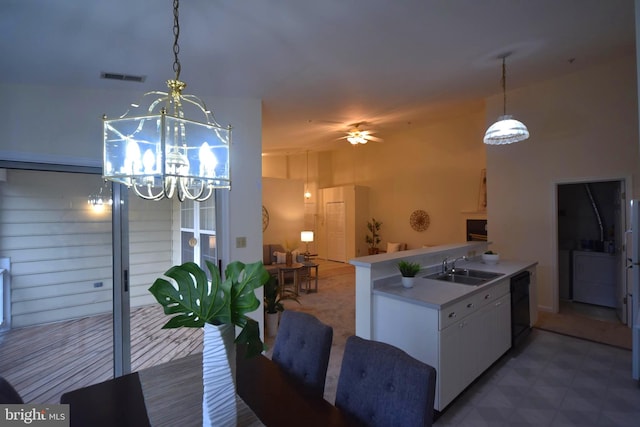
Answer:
(336, 224)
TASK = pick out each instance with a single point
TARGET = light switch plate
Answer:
(241, 242)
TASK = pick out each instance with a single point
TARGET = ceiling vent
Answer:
(123, 77)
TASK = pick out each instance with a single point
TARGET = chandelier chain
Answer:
(176, 34)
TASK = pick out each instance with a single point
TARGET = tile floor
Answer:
(552, 380)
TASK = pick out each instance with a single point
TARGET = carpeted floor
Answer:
(333, 304)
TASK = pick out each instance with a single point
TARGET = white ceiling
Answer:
(317, 65)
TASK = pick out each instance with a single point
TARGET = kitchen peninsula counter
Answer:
(439, 294)
(458, 329)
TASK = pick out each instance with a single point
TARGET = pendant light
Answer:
(169, 145)
(307, 193)
(506, 130)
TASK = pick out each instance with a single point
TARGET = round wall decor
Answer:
(419, 220)
(265, 218)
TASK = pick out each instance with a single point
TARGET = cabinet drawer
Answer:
(467, 306)
(493, 293)
(458, 311)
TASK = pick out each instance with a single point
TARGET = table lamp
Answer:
(306, 237)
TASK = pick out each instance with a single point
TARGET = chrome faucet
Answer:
(453, 264)
(445, 265)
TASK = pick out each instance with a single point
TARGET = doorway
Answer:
(591, 225)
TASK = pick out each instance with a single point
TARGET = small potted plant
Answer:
(408, 270)
(273, 304)
(490, 257)
(373, 238)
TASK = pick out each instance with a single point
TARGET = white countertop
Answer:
(440, 294)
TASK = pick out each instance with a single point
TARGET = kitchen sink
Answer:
(465, 277)
(478, 274)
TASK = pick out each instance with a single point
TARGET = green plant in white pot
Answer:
(408, 270)
(218, 306)
(273, 297)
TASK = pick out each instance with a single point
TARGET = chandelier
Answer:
(160, 150)
(506, 130)
(100, 199)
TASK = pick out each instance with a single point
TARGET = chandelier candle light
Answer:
(160, 150)
(102, 198)
(506, 130)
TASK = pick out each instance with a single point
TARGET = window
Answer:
(198, 231)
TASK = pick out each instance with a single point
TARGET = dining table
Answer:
(170, 394)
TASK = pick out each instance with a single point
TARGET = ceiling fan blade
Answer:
(373, 138)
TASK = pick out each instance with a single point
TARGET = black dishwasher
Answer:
(520, 317)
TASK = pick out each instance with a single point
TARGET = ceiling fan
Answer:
(358, 135)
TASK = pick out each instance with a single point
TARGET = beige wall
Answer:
(283, 199)
(584, 126)
(435, 168)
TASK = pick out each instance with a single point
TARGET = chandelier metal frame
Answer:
(160, 151)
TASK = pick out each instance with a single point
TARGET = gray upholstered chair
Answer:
(302, 349)
(8, 394)
(381, 385)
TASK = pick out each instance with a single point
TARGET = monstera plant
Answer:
(218, 306)
(195, 302)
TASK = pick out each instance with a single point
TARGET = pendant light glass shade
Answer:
(506, 130)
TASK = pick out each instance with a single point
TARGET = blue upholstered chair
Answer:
(381, 385)
(8, 394)
(302, 349)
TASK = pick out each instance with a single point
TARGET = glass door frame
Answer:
(121, 297)
(119, 253)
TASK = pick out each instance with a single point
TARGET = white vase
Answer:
(218, 376)
(272, 324)
(407, 282)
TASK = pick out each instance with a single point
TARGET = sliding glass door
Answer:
(78, 272)
(155, 244)
(58, 255)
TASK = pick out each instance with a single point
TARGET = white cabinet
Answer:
(460, 341)
(471, 345)
(456, 364)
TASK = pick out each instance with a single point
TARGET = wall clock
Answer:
(419, 220)
(265, 218)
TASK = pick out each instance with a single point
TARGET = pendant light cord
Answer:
(504, 86)
(176, 33)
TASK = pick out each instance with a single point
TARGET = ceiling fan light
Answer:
(506, 131)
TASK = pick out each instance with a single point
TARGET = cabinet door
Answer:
(494, 332)
(470, 346)
(455, 369)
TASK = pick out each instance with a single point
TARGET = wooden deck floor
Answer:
(42, 362)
